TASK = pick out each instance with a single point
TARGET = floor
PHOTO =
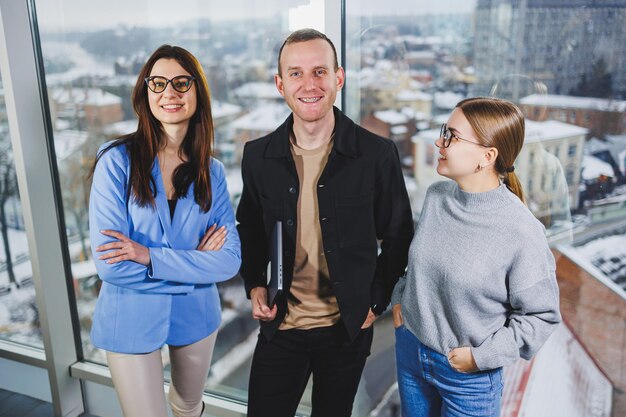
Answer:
(17, 405)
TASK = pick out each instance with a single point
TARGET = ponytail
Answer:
(514, 185)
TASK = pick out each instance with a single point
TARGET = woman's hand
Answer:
(462, 359)
(396, 310)
(123, 250)
(213, 239)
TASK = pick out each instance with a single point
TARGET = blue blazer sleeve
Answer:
(108, 210)
(204, 267)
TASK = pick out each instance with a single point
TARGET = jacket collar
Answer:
(344, 142)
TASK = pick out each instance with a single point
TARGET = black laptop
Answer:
(275, 269)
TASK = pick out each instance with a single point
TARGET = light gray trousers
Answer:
(138, 379)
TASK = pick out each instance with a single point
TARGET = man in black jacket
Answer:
(338, 190)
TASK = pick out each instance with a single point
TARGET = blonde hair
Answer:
(498, 124)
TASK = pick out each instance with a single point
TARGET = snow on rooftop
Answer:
(421, 40)
(119, 80)
(85, 96)
(429, 55)
(258, 90)
(410, 112)
(391, 117)
(616, 139)
(62, 124)
(265, 118)
(604, 258)
(220, 109)
(441, 119)
(84, 269)
(595, 145)
(573, 102)
(551, 130)
(447, 100)
(399, 130)
(429, 136)
(422, 125)
(412, 95)
(594, 168)
(121, 128)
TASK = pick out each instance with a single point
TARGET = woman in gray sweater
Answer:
(480, 289)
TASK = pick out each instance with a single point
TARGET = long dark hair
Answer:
(143, 145)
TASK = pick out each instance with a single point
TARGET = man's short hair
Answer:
(304, 35)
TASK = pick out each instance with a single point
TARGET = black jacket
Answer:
(362, 199)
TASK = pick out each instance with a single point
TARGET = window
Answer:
(92, 57)
(431, 55)
(572, 150)
(455, 49)
(19, 317)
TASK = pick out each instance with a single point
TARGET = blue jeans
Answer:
(430, 387)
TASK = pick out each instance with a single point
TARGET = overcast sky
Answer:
(82, 14)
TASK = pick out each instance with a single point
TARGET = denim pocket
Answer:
(495, 377)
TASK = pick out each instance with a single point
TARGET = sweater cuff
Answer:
(398, 291)
(497, 350)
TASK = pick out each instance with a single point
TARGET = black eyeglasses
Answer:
(181, 83)
(447, 135)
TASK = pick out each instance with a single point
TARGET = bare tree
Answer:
(75, 186)
(8, 189)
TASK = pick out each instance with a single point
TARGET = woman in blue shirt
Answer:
(162, 234)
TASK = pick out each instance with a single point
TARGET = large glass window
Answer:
(19, 317)
(92, 55)
(564, 63)
(408, 62)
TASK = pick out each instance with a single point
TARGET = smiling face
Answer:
(171, 107)
(461, 158)
(308, 80)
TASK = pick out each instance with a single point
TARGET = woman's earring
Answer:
(479, 168)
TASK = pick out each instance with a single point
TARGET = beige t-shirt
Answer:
(311, 301)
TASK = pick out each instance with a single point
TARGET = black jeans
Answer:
(281, 368)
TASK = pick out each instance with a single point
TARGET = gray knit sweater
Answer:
(481, 275)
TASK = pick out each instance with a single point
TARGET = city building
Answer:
(559, 44)
(601, 116)
(257, 123)
(85, 107)
(592, 283)
(611, 150)
(398, 126)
